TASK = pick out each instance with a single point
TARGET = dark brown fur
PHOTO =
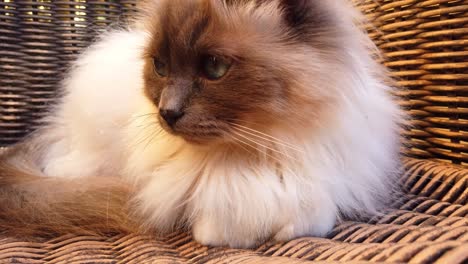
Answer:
(256, 89)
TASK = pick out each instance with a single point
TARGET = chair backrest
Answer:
(426, 46)
(425, 43)
(38, 39)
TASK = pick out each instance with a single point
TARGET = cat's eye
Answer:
(160, 67)
(215, 67)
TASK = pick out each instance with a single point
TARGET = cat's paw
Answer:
(205, 232)
(208, 233)
(285, 234)
(301, 229)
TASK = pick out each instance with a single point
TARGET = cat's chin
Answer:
(197, 140)
(212, 142)
(219, 142)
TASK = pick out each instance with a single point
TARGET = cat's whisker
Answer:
(274, 139)
(268, 139)
(146, 124)
(143, 131)
(239, 143)
(139, 139)
(138, 117)
(140, 120)
(279, 162)
(257, 149)
(147, 139)
(142, 128)
(238, 121)
(264, 146)
(150, 137)
(154, 135)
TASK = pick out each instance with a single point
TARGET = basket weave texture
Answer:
(426, 46)
(429, 225)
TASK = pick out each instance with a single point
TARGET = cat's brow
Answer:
(198, 29)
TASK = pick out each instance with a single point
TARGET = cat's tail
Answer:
(34, 205)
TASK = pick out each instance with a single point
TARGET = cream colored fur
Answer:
(345, 165)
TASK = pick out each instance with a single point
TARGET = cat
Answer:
(242, 120)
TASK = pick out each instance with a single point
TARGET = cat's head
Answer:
(218, 70)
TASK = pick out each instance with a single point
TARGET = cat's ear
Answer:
(296, 12)
(305, 16)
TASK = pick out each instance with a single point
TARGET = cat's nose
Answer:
(171, 116)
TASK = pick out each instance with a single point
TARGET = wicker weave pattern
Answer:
(429, 225)
(426, 45)
(38, 39)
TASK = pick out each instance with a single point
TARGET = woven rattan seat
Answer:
(426, 46)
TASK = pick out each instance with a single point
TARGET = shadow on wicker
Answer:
(426, 46)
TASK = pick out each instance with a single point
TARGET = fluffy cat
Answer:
(243, 120)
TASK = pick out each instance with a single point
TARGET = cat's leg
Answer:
(317, 219)
(74, 164)
(207, 232)
(213, 232)
(69, 159)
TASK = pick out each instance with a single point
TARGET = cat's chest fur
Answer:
(227, 196)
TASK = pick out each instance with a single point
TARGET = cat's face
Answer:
(216, 67)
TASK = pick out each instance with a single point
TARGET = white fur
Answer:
(345, 165)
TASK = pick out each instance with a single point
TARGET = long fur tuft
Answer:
(35, 206)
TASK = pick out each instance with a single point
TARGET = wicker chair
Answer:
(426, 46)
